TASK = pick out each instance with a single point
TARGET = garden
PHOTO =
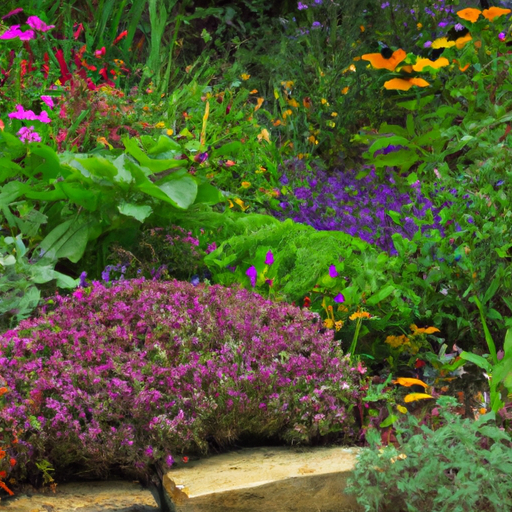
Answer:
(243, 223)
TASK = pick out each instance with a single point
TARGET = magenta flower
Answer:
(269, 259)
(38, 24)
(252, 273)
(502, 36)
(29, 115)
(29, 135)
(12, 13)
(48, 100)
(339, 299)
(14, 32)
(333, 272)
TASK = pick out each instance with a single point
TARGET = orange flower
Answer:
(458, 64)
(12, 462)
(2, 454)
(423, 330)
(360, 314)
(379, 62)
(400, 84)
(408, 382)
(421, 64)
(469, 14)
(494, 12)
(307, 102)
(344, 90)
(3, 390)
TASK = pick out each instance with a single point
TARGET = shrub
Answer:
(128, 375)
(462, 466)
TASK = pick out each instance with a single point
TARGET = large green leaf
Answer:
(99, 166)
(182, 190)
(154, 165)
(139, 212)
(384, 142)
(76, 193)
(380, 295)
(208, 194)
(47, 163)
(67, 240)
(478, 360)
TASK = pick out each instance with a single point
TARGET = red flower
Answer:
(307, 302)
(185, 459)
(120, 36)
(419, 363)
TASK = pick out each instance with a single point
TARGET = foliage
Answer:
(463, 465)
(127, 375)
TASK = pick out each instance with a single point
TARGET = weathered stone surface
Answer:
(264, 479)
(110, 496)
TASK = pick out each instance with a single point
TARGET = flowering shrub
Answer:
(139, 372)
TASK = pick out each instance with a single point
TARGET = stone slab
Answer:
(264, 479)
(107, 496)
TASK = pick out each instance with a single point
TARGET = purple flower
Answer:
(333, 272)
(201, 157)
(339, 299)
(427, 44)
(316, 24)
(29, 135)
(301, 6)
(149, 451)
(195, 280)
(442, 24)
(458, 27)
(83, 282)
(384, 5)
(269, 259)
(38, 24)
(252, 273)
(169, 460)
(502, 36)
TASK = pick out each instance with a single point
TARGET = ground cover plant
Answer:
(348, 159)
(134, 374)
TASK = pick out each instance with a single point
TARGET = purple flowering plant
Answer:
(148, 370)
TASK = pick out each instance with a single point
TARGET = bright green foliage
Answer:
(462, 466)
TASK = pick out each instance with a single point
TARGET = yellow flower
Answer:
(396, 341)
(402, 409)
(361, 28)
(324, 102)
(334, 114)
(421, 64)
(261, 170)
(331, 124)
(338, 324)
(170, 132)
(360, 314)
(160, 125)
(328, 323)
(245, 76)
(419, 26)
(312, 139)
(264, 135)
(288, 84)
(246, 184)
(240, 203)
(259, 102)
(293, 103)
(423, 330)
(287, 113)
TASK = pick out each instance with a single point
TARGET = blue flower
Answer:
(195, 280)
(83, 282)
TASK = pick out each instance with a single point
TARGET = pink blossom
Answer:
(29, 115)
(14, 32)
(12, 13)
(48, 100)
(29, 135)
(38, 24)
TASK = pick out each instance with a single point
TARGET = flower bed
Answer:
(128, 375)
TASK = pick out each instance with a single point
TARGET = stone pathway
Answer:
(110, 496)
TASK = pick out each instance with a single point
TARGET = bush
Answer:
(123, 377)
(463, 466)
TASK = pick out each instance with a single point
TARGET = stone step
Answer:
(264, 480)
(108, 496)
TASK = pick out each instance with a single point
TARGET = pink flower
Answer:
(38, 24)
(99, 53)
(14, 32)
(48, 100)
(29, 115)
(12, 13)
(29, 135)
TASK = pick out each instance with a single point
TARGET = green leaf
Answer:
(154, 165)
(79, 195)
(49, 163)
(182, 191)
(491, 291)
(229, 149)
(163, 145)
(139, 212)
(388, 421)
(410, 125)
(380, 295)
(99, 166)
(478, 360)
(384, 142)
(403, 159)
(208, 194)
(67, 240)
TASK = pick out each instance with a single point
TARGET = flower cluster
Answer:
(136, 372)
(367, 207)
